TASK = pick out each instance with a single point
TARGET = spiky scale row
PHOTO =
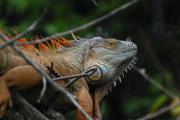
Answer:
(129, 67)
(54, 44)
(43, 47)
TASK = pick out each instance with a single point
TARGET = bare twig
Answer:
(86, 73)
(26, 108)
(159, 112)
(43, 89)
(143, 73)
(83, 74)
(95, 2)
(72, 78)
(31, 28)
(85, 26)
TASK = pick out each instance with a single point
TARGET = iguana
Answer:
(112, 57)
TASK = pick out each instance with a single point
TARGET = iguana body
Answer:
(111, 55)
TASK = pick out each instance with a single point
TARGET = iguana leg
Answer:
(99, 93)
(21, 77)
(90, 103)
(85, 101)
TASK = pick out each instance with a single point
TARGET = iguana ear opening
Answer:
(97, 78)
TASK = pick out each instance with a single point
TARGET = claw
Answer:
(3, 110)
(10, 103)
(4, 104)
(5, 98)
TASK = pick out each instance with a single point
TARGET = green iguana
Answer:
(112, 57)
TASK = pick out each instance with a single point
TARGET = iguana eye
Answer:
(111, 43)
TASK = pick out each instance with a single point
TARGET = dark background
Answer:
(154, 25)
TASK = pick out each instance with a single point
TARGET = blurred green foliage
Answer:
(62, 15)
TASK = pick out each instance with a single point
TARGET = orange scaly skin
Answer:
(17, 73)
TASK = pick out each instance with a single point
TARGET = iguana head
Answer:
(112, 57)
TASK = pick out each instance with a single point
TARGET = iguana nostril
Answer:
(128, 45)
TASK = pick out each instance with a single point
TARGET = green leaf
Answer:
(158, 103)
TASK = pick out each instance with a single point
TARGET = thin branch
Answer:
(31, 28)
(25, 108)
(83, 74)
(95, 3)
(85, 26)
(43, 89)
(143, 73)
(159, 112)
(87, 73)
(72, 78)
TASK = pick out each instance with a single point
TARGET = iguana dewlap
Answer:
(112, 57)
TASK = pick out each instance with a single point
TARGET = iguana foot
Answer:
(5, 98)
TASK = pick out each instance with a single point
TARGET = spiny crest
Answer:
(21, 40)
(129, 67)
(54, 44)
